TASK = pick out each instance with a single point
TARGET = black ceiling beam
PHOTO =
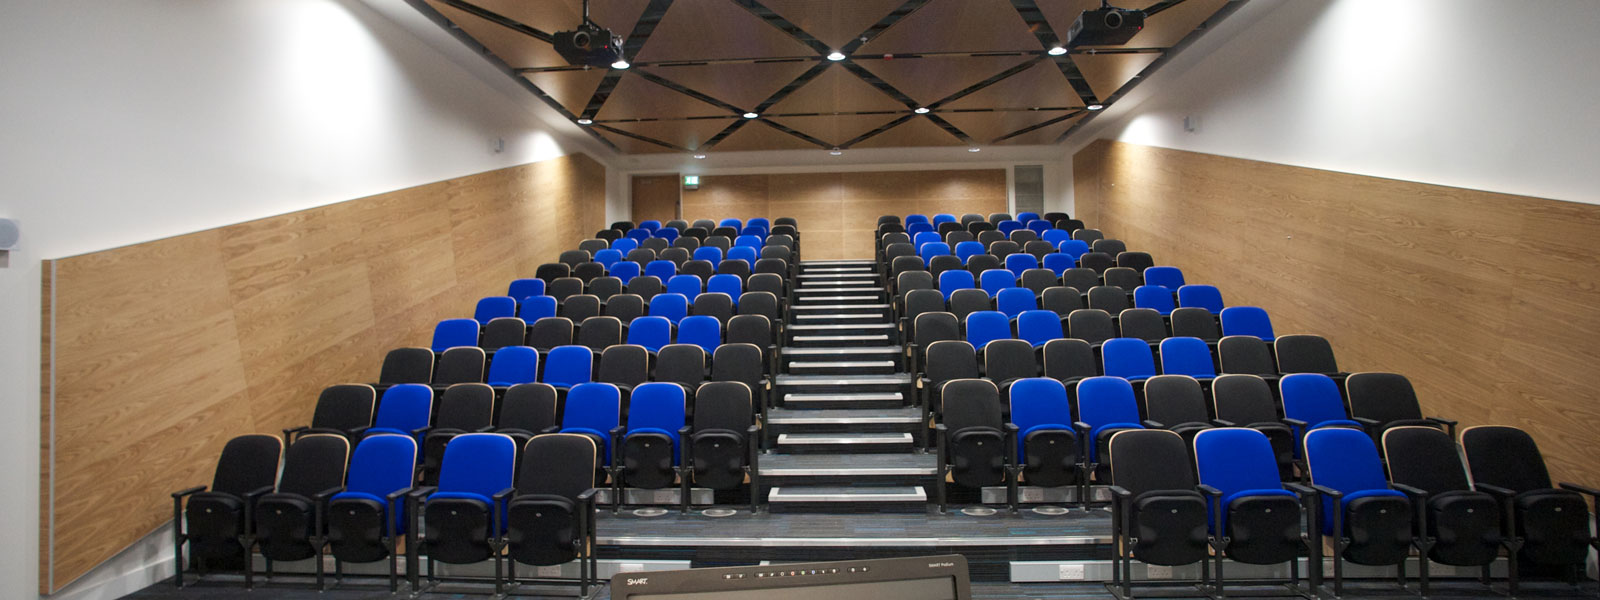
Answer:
(640, 137)
(1156, 8)
(888, 20)
(630, 48)
(1034, 18)
(1040, 125)
(498, 19)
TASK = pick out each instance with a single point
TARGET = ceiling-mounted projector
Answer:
(590, 44)
(1105, 26)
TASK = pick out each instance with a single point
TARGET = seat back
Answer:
(1014, 300)
(1098, 261)
(670, 305)
(523, 288)
(504, 331)
(1006, 359)
(967, 249)
(452, 333)
(1061, 299)
(741, 362)
(579, 307)
(1017, 263)
(1167, 277)
(935, 326)
(950, 359)
(1090, 325)
(1236, 459)
(248, 463)
(1175, 400)
(994, 280)
(1111, 299)
(549, 332)
(1080, 278)
(1243, 400)
(1425, 458)
(344, 407)
(1038, 327)
(405, 408)
(702, 331)
(1107, 400)
(1109, 246)
(651, 332)
(1382, 397)
(1124, 278)
(1150, 460)
(1142, 323)
(659, 407)
(1138, 261)
(1506, 457)
(1195, 322)
(381, 465)
(1128, 358)
(1245, 354)
(1039, 401)
(983, 262)
(529, 407)
(950, 281)
(1187, 356)
(1311, 397)
(567, 366)
(1200, 296)
(915, 280)
(987, 325)
(1247, 320)
(514, 365)
(1154, 297)
(493, 307)
(1068, 360)
(465, 407)
(681, 363)
(1038, 280)
(1305, 354)
(600, 332)
(970, 403)
(480, 464)
(966, 302)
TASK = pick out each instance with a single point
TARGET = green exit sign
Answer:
(691, 182)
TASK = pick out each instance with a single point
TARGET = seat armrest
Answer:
(1082, 427)
(1294, 422)
(1415, 493)
(1573, 487)
(1329, 492)
(398, 494)
(323, 495)
(359, 432)
(1120, 492)
(1441, 421)
(250, 496)
(1299, 488)
(484, 429)
(421, 492)
(1149, 424)
(1209, 491)
(1223, 423)
(1498, 492)
(293, 430)
(551, 429)
(420, 431)
(1369, 424)
(616, 433)
(197, 489)
(587, 497)
(501, 495)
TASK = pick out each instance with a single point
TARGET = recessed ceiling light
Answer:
(835, 56)
(921, 110)
(585, 122)
(620, 64)
(835, 151)
(751, 115)
(974, 149)
(699, 156)
(1095, 106)
(1056, 51)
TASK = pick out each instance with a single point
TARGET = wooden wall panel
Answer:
(1486, 301)
(838, 212)
(165, 350)
(655, 197)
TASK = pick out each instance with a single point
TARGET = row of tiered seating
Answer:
(479, 433)
(1222, 443)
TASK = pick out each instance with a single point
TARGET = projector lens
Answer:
(1113, 20)
(581, 40)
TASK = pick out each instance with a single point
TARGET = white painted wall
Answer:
(130, 121)
(1482, 94)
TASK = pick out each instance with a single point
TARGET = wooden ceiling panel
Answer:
(1042, 85)
(758, 135)
(928, 80)
(516, 49)
(629, 145)
(745, 85)
(1107, 73)
(688, 134)
(716, 29)
(985, 127)
(1160, 31)
(638, 98)
(551, 16)
(836, 130)
(835, 90)
(919, 131)
(1043, 135)
(572, 89)
(836, 22)
(956, 25)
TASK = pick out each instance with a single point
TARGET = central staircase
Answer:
(845, 434)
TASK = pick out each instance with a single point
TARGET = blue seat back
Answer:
(942, 218)
(1167, 277)
(594, 409)
(916, 219)
(1013, 301)
(750, 241)
(1246, 320)
(567, 366)
(405, 407)
(1187, 356)
(761, 222)
(1345, 460)
(1313, 398)
(667, 233)
(1008, 226)
(657, 408)
(1039, 326)
(994, 280)
(639, 234)
(379, 466)
(494, 307)
(1019, 262)
(523, 288)
(624, 271)
(744, 253)
(1106, 400)
(916, 228)
(650, 225)
(1059, 262)
(513, 365)
(671, 305)
(451, 333)
(608, 257)
(537, 307)
(650, 332)
(477, 465)
(1236, 460)
(624, 244)
(760, 232)
(985, 326)
(1039, 401)
(931, 249)
(1027, 216)
(688, 285)
(727, 284)
(661, 269)
(702, 331)
(954, 279)
(924, 238)
(1055, 237)
(1200, 296)
(1074, 248)
(1154, 297)
(1038, 226)
(967, 249)
(1128, 358)
(710, 254)
(730, 222)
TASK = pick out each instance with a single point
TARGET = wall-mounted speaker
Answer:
(9, 234)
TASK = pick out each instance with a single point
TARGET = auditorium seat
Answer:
(713, 304)
(1111, 299)
(974, 445)
(599, 332)
(286, 521)
(670, 305)
(463, 408)
(1380, 401)
(1014, 301)
(1246, 354)
(1302, 353)
(1128, 358)
(1038, 249)
(649, 455)
(1008, 360)
(1091, 325)
(1187, 356)
(683, 364)
(513, 365)
(945, 360)
(547, 333)
(1142, 323)
(523, 288)
(1068, 361)
(1256, 519)
(1138, 261)
(1158, 517)
(551, 519)
(1123, 278)
(405, 365)
(552, 271)
(1080, 278)
(568, 366)
(462, 364)
(451, 333)
(950, 281)
(1038, 280)
(1550, 520)
(985, 326)
(1167, 277)
(645, 286)
(1039, 327)
(1087, 235)
(341, 410)
(968, 249)
(625, 272)
(494, 307)
(214, 519)
(655, 243)
(1312, 401)
(966, 302)
(927, 329)
(741, 362)
(1176, 403)
(702, 331)
(1246, 401)
(1154, 297)
(1196, 323)
(1019, 262)
(1047, 447)
(405, 409)
(1061, 299)
(1200, 296)
(983, 262)
(994, 280)
(1106, 405)
(564, 287)
(367, 519)
(625, 307)
(579, 307)
(1022, 237)
(1247, 320)
(463, 516)
(678, 256)
(1003, 249)
(1367, 522)
(1465, 524)
(1112, 247)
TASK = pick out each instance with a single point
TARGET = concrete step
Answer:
(803, 301)
(857, 262)
(841, 367)
(830, 499)
(782, 470)
(830, 340)
(844, 443)
(842, 384)
(842, 400)
(837, 318)
(891, 353)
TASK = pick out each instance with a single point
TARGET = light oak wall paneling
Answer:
(656, 197)
(165, 350)
(1484, 300)
(837, 212)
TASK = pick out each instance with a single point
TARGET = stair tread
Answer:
(831, 298)
(840, 306)
(840, 316)
(897, 378)
(834, 493)
(920, 463)
(840, 364)
(841, 338)
(843, 438)
(830, 416)
(840, 326)
(851, 397)
(842, 263)
(835, 290)
(799, 351)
